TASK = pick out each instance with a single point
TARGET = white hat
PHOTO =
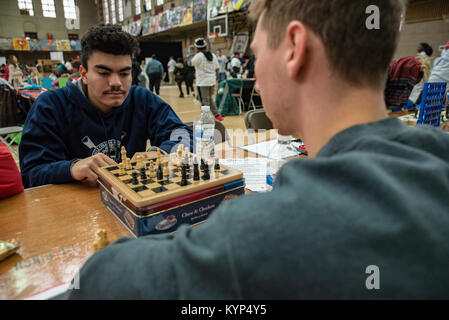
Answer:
(200, 43)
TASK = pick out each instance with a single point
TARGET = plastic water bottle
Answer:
(203, 130)
(275, 158)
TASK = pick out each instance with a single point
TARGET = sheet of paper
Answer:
(263, 149)
(50, 292)
(254, 171)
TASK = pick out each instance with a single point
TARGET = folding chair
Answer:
(432, 102)
(4, 134)
(238, 96)
(255, 94)
(258, 120)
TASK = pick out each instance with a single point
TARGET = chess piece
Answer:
(203, 164)
(180, 151)
(134, 179)
(101, 241)
(159, 173)
(123, 152)
(166, 170)
(217, 167)
(152, 172)
(196, 172)
(143, 175)
(128, 164)
(121, 167)
(183, 176)
(206, 174)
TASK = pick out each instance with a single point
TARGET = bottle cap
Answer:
(205, 108)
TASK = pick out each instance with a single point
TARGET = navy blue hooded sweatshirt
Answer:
(63, 126)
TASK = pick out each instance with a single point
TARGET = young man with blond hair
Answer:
(365, 217)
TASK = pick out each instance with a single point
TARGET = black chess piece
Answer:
(183, 176)
(196, 172)
(217, 164)
(206, 174)
(203, 164)
(134, 176)
(143, 174)
(159, 173)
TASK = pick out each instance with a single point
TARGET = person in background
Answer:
(440, 71)
(250, 66)
(222, 62)
(10, 179)
(171, 70)
(236, 65)
(55, 74)
(136, 71)
(190, 71)
(15, 72)
(206, 69)
(69, 65)
(155, 71)
(180, 72)
(143, 80)
(425, 49)
(76, 70)
(4, 72)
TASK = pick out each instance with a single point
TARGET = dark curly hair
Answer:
(107, 38)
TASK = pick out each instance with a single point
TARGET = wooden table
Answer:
(56, 227)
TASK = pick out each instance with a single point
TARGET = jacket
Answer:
(63, 126)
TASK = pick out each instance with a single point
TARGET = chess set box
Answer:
(162, 199)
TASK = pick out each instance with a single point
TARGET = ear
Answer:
(296, 41)
(83, 74)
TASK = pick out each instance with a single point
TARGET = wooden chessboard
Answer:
(150, 191)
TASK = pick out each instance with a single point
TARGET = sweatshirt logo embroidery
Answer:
(111, 148)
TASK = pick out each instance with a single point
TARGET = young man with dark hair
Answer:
(365, 217)
(71, 132)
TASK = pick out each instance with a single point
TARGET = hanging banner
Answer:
(63, 45)
(75, 45)
(216, 7)
(134, 28)
(21, 44)
(48, 45)
(146, 26)
(6, 44)
(199, 10)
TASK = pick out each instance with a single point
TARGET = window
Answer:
(106, 11)
(147, 5)
(26, 7)
(48, 8)
(120, 10)
(30, 35)
(113, 17)
(160, 2)
(69, 9)
(137, 5)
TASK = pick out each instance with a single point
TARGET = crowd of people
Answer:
(407, 76)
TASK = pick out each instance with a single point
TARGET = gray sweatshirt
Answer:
(368, 218)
